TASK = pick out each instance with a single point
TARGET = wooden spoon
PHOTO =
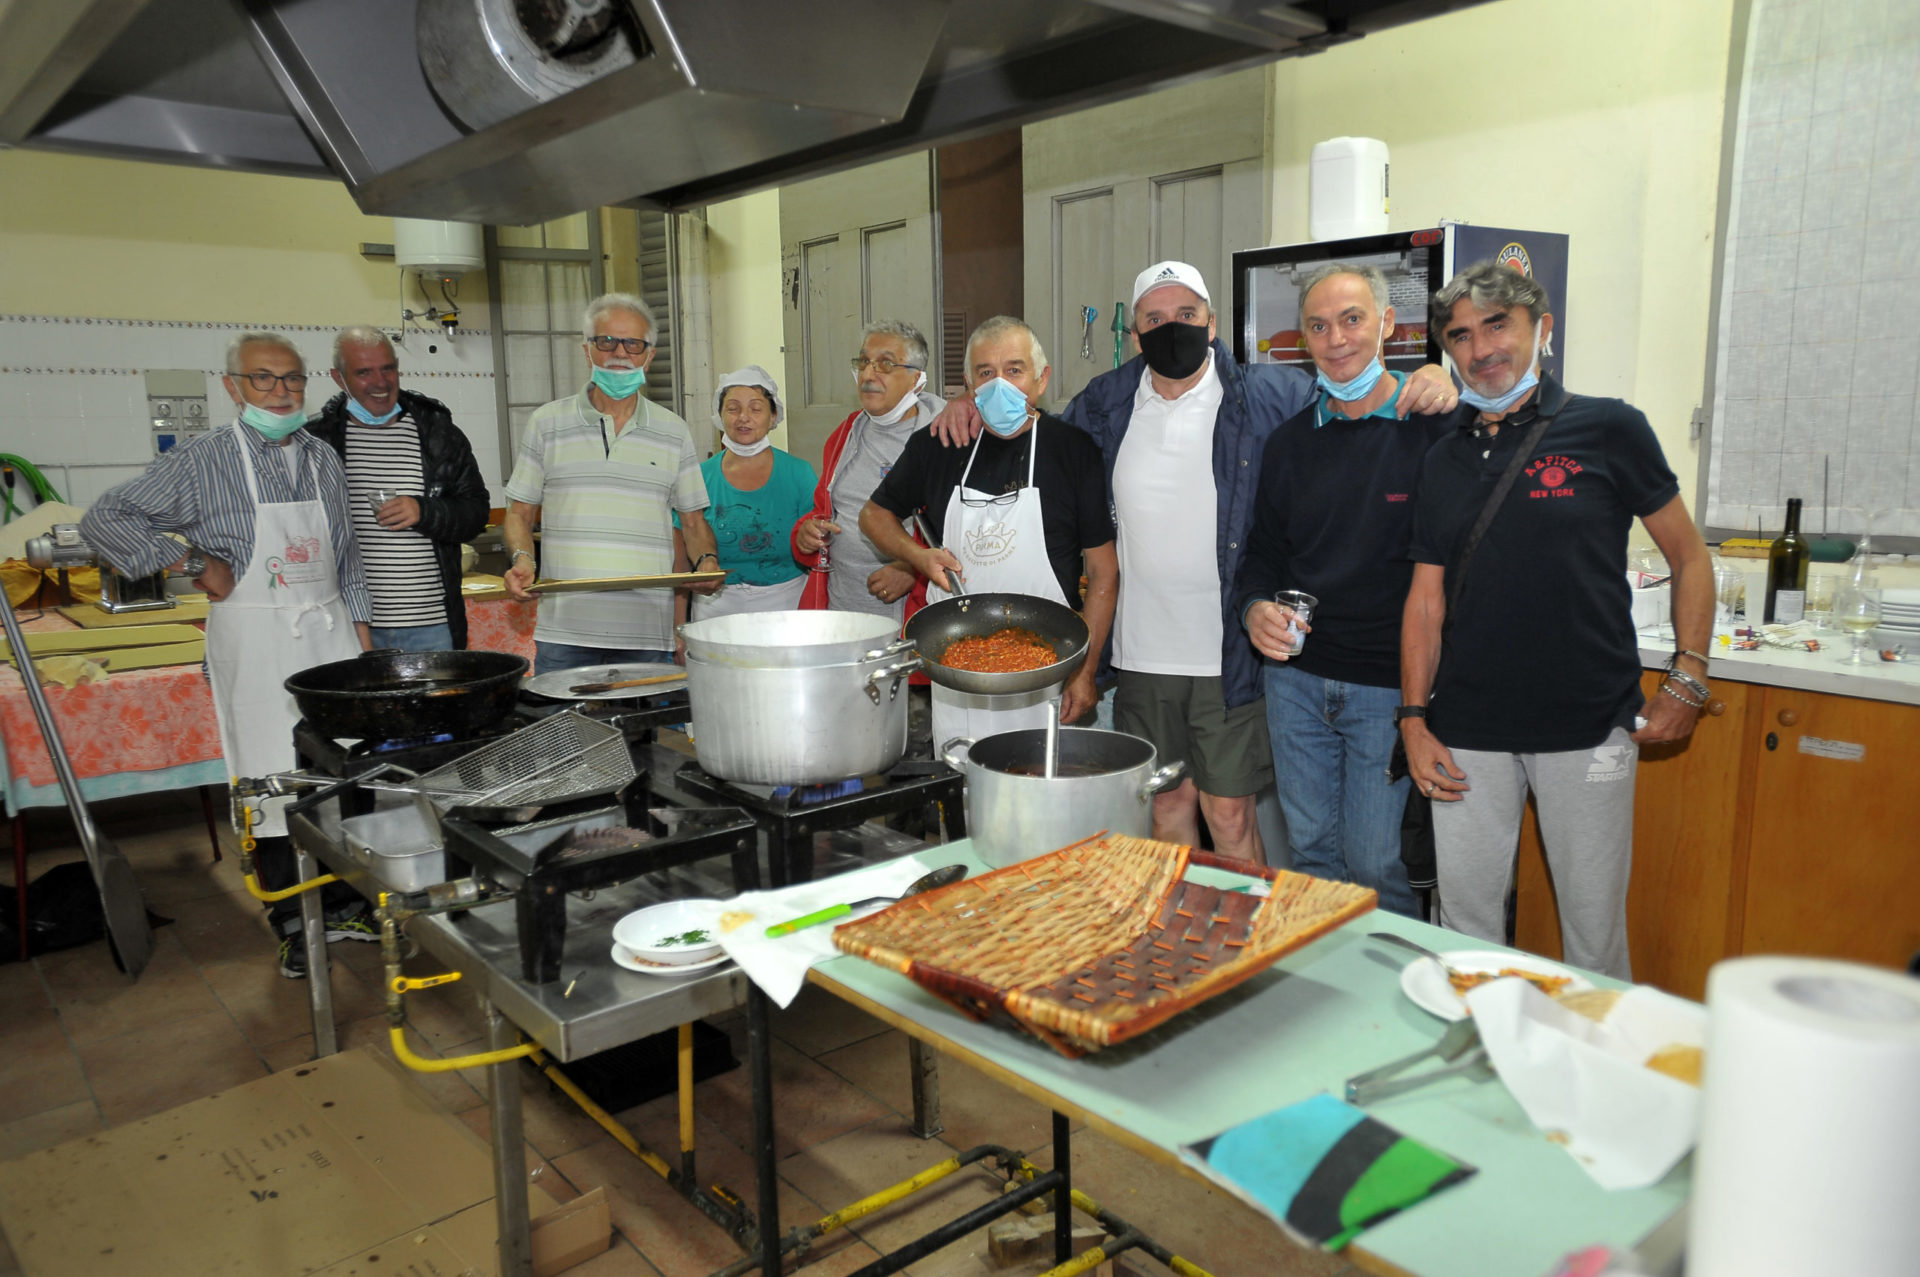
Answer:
(594, 689)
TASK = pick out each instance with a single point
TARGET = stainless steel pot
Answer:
(1105, 780)
(797, 698)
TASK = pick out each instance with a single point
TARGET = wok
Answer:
(392, 695)
(936, 625)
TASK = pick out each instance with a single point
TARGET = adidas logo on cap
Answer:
(1161, 274)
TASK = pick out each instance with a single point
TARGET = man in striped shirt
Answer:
(416, 492)
(603, 472)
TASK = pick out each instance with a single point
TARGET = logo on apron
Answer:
(990, 542)
(300, 563)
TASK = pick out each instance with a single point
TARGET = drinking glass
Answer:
(1301, 605)
(377, 497)
(1820, 591)
(1856, 609)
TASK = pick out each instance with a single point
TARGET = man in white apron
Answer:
(1014, 514)
(265, 494)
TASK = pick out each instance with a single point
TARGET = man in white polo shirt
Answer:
(603, 472)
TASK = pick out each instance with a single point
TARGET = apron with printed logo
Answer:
(1001, 543)
(731, 600)
(284, 615)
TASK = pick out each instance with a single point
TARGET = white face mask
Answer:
(747, 449)
(909, 402)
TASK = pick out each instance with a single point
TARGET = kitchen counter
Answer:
(1825, 671)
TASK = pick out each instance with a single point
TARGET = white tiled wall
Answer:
(73, 401)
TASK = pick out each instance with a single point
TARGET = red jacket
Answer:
(814, 596)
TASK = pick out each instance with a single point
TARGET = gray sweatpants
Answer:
(1585, 803)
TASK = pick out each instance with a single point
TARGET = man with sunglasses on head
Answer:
(603, 472)
(263, 507)
(851, 573)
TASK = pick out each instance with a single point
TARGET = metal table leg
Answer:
(313, 933)
(1063, 1195)
(760, 1069)
(923, 1069)
(509, 1170)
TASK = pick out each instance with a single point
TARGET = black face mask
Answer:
(1175, 350)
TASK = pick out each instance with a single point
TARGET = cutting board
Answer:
(598, 584)
(121, 660)
(62, 642)
(189, 607)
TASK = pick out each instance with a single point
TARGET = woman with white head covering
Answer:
(758, 492)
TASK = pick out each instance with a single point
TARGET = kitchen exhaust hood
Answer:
(516, 111)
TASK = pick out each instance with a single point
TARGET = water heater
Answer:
(440, 250)
(1347, 188)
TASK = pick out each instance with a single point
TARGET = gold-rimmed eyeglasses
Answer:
(883, 365)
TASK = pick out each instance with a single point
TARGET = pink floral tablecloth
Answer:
(501, 625)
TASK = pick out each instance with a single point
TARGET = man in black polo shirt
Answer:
(1332, 519)
(1015, 513)
(1537, 685)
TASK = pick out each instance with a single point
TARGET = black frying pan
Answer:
(936, 625)
(393, 695)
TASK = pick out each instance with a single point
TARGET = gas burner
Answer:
(410, 742)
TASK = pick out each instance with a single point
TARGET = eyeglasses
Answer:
(883, 365)
(265, 381)
(632, 345)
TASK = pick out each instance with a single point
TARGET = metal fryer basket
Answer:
(564, 756)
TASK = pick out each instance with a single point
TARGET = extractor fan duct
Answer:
(490, 60)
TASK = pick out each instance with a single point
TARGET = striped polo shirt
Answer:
(403, 571)
(606, 503)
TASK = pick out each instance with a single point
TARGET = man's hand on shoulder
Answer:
(958, 423)
(1428, 390)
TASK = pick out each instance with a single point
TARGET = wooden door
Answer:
(1835, 863)
(1686, 899)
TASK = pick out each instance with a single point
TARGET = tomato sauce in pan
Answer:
(1008, 651)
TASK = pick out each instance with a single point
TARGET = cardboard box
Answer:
(342, 1167)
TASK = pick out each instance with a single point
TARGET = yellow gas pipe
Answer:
(398, 985)
(248, 845)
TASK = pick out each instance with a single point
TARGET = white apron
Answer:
(284, 615)
(1001, 542)
(732, 599)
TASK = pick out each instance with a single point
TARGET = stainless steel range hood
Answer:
(515, 111)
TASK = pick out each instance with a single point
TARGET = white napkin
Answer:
(1586, 1084)
(780, 966)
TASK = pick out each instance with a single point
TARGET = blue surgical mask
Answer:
(1361, 385)
(619, 383)
(1501, 403)
(1002, 406)
(365, 418)
(272, 425)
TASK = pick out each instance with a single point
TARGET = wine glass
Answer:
(1856, 609)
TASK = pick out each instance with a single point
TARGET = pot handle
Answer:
(1166, 778)
(957, 761)
(893, 648)
(895, 672)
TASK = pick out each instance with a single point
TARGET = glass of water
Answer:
(1820, 591)
(1299, 605)
(377, 497)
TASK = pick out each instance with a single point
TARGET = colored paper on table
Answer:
(1323, 1170)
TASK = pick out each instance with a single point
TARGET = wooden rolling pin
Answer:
(594, 689)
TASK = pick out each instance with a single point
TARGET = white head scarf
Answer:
(760, 379)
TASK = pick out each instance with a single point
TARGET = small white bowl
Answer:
(653, 933)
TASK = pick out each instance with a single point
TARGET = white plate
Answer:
(626, 958)
(1425, 984)
(558, 684)
(641, 932)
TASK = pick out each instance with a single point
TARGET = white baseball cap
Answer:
(1160, 274)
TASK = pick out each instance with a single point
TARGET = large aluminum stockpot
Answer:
(1104, 780)
(797, 698)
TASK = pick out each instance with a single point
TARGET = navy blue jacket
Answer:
(1253, 403)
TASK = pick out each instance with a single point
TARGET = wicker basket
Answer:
(1098, 942)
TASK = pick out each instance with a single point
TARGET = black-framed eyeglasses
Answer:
(632, 345)
(265, 381)
(883, 365)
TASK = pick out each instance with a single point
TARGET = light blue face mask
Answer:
(619, 383)
(1361, 385)
(365, 418)
(270, 424)
(1498, 404)
(1002, 406)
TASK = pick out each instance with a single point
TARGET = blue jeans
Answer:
(415, 638)
(548, 657)
(1331, 743)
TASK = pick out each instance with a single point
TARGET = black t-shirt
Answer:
(1068, 470)
(1333, 517)
(1541, 656)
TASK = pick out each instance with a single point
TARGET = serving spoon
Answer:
(928, 882)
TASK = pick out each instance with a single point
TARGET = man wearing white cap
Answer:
(1182, 435)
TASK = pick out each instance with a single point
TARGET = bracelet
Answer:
(1689, 682)
(1668, 689)
(1687, 651)
(695, 565)
(516, 554)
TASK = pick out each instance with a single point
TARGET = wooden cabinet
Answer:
(1745, 843)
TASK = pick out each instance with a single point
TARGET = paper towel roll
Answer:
(1809, 1157)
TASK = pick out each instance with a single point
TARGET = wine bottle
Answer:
(1787, 571)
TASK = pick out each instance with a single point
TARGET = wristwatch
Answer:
(194, 565)
(1408, 711)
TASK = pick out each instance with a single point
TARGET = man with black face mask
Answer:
(1182, 429)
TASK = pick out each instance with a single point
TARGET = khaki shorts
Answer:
(1226, 750)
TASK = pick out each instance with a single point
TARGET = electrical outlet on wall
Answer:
(176, 406)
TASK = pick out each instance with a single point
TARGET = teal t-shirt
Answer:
(752, 528)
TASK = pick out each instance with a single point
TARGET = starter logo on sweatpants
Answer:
(1610, 763)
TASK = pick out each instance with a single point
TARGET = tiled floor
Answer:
(83, 1050)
